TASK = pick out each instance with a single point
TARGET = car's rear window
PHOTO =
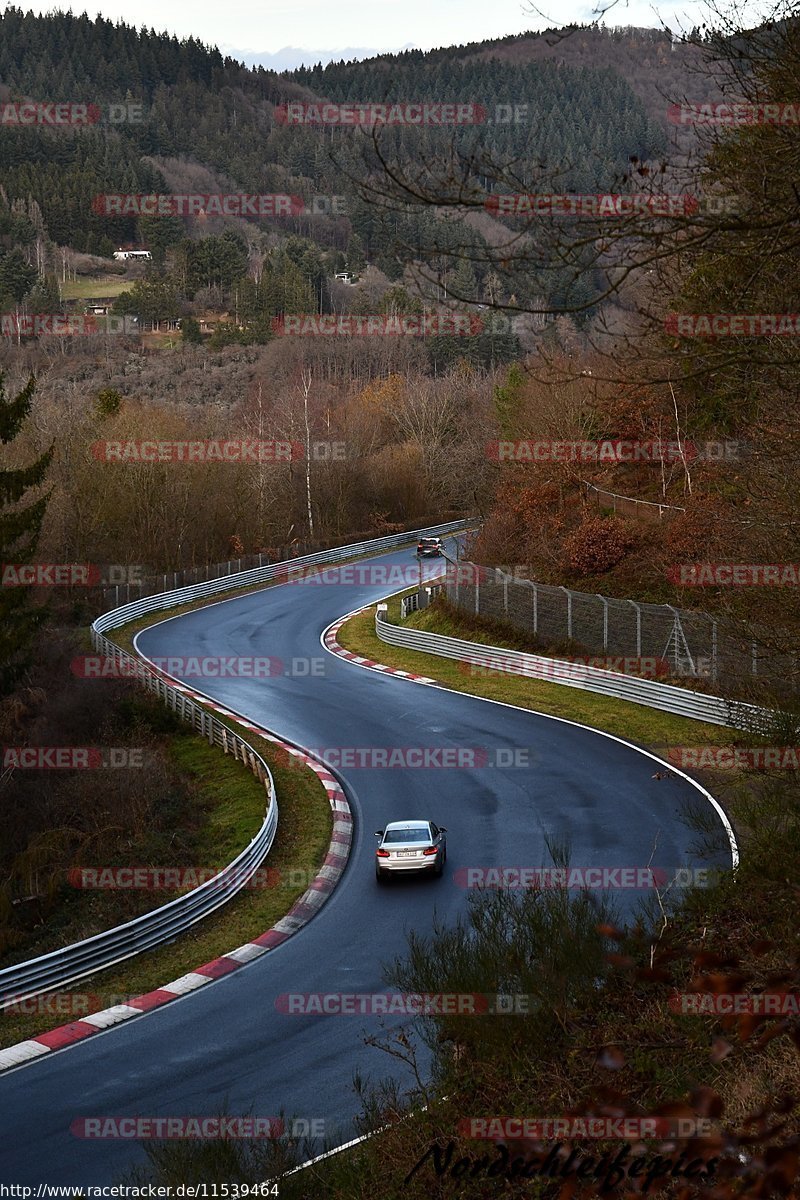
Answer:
(420, 834)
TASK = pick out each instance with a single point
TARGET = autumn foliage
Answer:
(598, 545)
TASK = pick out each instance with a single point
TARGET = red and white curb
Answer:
(330, 643)
(301, 912)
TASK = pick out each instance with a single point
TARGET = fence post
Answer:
(714, 651)
(754, 658)
(535, 609)
(477, 590)
(638, 628)
(604, 602)
(505, 594)
(569, 609)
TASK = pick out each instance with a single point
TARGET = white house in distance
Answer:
(122, 255)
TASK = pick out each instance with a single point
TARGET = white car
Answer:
(410, 846)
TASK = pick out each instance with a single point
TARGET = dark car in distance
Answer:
(429, 547)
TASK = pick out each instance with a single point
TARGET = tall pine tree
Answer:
(20, 525)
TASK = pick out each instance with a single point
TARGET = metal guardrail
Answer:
(409, 604)
(694, 643)
(265, 574)
(680, 701)
(163, 924)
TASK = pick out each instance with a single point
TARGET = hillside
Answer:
(591, 106)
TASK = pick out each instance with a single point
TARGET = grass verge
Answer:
(646, 726)
(300, 845)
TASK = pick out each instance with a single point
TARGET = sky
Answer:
(259, 27)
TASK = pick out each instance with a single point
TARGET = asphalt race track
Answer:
(225, 1047)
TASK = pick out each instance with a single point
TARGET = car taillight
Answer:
(382, 853)
(429, 851)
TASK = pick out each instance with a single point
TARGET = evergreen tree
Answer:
(190, 331)
(20, 525)
(16, 276)
(44, 297)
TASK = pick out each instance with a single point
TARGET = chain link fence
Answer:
(656, 639)
(106, 598)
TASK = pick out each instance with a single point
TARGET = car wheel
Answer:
(438, 869)
(380, 875)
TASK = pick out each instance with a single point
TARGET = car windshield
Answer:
(419, 834)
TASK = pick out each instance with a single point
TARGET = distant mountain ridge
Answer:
(590, 101)
(289, 58)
